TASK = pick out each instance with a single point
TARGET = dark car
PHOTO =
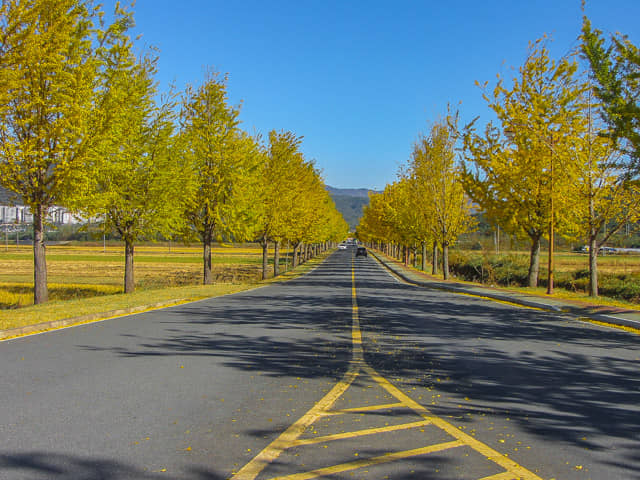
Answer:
(361, 252)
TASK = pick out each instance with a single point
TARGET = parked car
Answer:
(361, 252)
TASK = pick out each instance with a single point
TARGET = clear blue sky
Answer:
(360, 79)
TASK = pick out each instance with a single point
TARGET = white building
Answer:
(12, 211)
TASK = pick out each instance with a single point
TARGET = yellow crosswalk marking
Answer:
(291, 436)
(252, 469)
(360, 433)
(370, 408)
(368, 462)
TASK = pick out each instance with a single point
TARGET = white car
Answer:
(342, 246)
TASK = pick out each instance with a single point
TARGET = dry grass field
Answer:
(613, 264)
(87, 280)
(77, 271)
(618, 274)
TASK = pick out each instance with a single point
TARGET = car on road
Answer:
(342, 246)
(361, 252)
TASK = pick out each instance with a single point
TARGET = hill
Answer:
(350, 203)
(349, 192)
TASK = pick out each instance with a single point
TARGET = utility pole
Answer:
(551, 232)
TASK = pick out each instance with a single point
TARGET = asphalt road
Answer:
(344, 373)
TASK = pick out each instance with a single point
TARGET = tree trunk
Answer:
(593, 267)
(286, 258)
(206, 258)
(424, 256)
(534, 261)
(276, 259)
(445, 260)
(265, 258)
(129, 281)
(295, 255)
(40, 290)
(593, 252)
(434, 258)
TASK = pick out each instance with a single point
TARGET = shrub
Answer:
(624, 286)
(512, 270)
(507, 270)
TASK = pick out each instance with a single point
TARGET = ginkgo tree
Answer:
(51, 56)
(321, 222)
(436, 176)
(614, 68)
(373, 226)
(401, 214)
(421, 213)
(426, 204)
(295, 206)
(604, 198)
(518, 168)
(139, 182)
(279, 192)
(382, 218)
(307, 200)
(223, 162)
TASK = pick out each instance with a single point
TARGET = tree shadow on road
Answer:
(53, 466)
(559, 378)
(300, 328)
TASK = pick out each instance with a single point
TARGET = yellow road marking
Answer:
(500, 476)
(368, 462)
(290, 437)
(611, 325)
(272, 451)
(371, 408)
(356, 334)
(455, 432)
(360, 433)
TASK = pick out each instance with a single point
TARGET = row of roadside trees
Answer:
(427, 205)
(562, 157)
(84, 125)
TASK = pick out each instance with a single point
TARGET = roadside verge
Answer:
(610, 315)
(93, 317)
(99, 314)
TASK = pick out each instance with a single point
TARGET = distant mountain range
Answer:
(350, 202)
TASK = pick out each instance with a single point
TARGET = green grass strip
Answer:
(64, 309)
